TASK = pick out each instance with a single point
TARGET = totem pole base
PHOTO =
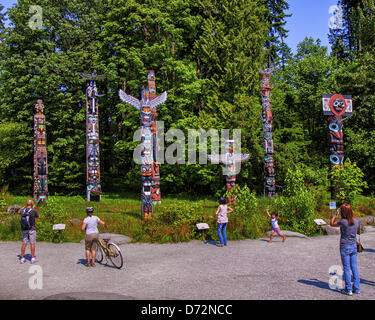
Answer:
(147, 216)
(97, 196)
(42, 201)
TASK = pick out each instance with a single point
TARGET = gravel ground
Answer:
(244, 270)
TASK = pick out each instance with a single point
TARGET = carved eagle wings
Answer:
(136, 103)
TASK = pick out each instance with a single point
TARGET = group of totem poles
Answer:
(334, 106)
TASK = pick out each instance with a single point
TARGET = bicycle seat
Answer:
(106, 239)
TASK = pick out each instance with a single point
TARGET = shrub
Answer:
(52, 213)
(297, 205)
(349, 181)
(4, 198)
(246, 221)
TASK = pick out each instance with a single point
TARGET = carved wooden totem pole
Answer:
(92, 136)
(336, 106)
(267, 118)
(230, 159)
(40, 155)
(150, 175)
(155, 177)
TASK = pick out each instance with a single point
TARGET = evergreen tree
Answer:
(276, 21)
(43, 63)
(346, 41)
(300, 127)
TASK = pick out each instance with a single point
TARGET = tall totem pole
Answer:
(155, 177)
(336, 106)
(267, 118)
(150, 173)
(40, 155)
(92, 136)
(230, 159)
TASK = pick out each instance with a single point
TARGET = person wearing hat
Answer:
(90, 225)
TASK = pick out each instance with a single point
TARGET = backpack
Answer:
(25, 219)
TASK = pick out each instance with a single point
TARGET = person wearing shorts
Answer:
(90, 225)
(275, 225)
(29, 232)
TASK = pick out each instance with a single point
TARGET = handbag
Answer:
(359, 245)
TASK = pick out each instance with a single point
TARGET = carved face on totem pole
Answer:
(151, 83)
(146, 116)
(39, 106)
(146, 171)
(337, 105)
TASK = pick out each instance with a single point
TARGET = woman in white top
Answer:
(90, 225)
(222, 221)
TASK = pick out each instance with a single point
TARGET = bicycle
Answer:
(109, 250)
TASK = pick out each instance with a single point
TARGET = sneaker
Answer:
(348, 293)
(23, 260)
(357, 292)
(33, 260)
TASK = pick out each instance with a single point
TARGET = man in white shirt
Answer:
(90, 225)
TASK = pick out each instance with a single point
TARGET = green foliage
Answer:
(246, 222)
(4, 198)
(206, 55)
(349, 181)
(10, 229)
(296, 205)
(173, 223)
(52, 213)
(300, 128)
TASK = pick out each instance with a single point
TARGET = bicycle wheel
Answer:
(99, 254)
(115, 255)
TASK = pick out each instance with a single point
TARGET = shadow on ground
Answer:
(26, 256)
(367, 282)
(107, 265)
(319, 284)
(211, 242)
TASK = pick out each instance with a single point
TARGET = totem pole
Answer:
(92, 136)
(40, 155)
(335, 106)
(230, 159)
(267, 118)
(155, 177)
(150, 174)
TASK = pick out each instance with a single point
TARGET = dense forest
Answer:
(206, 55)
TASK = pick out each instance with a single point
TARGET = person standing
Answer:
(222, 221)
(349, 227)
(90, 225)
(28, 216)
(275, 225)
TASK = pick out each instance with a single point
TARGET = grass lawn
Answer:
(120, 212)
(173, 221)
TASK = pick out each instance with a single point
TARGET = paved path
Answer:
(251, 269)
